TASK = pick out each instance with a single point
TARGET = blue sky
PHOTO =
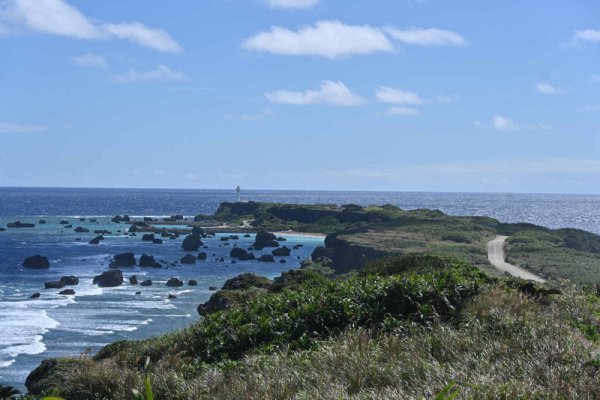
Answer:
(407, 95)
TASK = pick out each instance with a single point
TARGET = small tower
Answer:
(237, 191)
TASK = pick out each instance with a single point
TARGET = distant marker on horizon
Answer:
(238, 190)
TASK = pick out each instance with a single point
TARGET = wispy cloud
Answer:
(21, 128)
(390, 95)
(91, 60)
(501, 123)
(548, 88)
(427, 37)
(297, 4)
(403, 111)
(161, 73)
(587, 35)
(329, 92)
(331, 39)
(57, 17)
(259, 116)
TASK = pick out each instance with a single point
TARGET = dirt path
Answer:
(496, 256)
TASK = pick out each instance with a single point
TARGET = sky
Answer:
(400, 95)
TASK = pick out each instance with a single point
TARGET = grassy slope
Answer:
(402, 328)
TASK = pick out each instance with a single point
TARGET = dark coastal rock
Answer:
(109, 278)
(246, 281)
(213, 288)
(102, 232)
(70, 280)
(36, 261)
(188, 259)
(157, 241)
(80, 229)
(146, 282)
(197, 231)
(54, 285)
(191, 243)
(67, 292)
(42, 221)
(2, 229)
(93, 219)
(174, 282)
(118, 219)
(264, 239)
(50, 374)
(19, 224)
(192, 282)
(177, 217)
(241, 254)
(148, 237)
(82, 219)
(132, 229)
(172, 296)
(123, 260)
(133, 280)
(281, 239)
(266, 258)
(138, 293)
(67, 226)
(282, 261)
(224, 238)
(36, 295)
(148, 261)
(96, 240)
(202, 256)
(64, 222)
(282, 252)
(247, 235)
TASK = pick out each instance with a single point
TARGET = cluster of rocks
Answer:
(19, 224)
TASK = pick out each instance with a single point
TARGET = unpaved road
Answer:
(495, 250)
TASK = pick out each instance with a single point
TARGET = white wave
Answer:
(4, 364)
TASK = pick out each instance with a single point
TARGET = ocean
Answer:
(56, 326)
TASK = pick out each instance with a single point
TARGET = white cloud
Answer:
(291, 3)
(21, 128)
(92, 60)
(161, 73)
(587, 35)
(501, 123)
(331, 39)
(329, 92)
(259, 116)
(403, 111)
(390, 95)
(547, 88)
(154, 38)
(427, 37)
(57, 17)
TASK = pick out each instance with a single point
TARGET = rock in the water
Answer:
(188, 259)
(96, 240)
(67, 292)
(192, 282)
(157, 241)
(202, 256)
(138, 293)
(282, 252)
(264, 239)
(177, 217)
(109, 278)
(174, 282)
(247, 235)
(197, 231)
(191, 243)
(146, 282)
(213, 288)
(172, 296)
(241, 254)
(118, 219)
(148, 261)
(266, 258)
(80, 229)
(281, 239)
(36, 295)
(70, 280)
(246, 281)
(282, 261)
(54, 285)
(64, 222)
(19, 224)
(42, 221)
(36, 261)
(123, 260)
(148, 237)
(133, 280)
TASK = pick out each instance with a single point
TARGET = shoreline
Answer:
(301, 234)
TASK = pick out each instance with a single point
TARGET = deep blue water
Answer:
(54, 325)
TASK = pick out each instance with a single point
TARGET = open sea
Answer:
(56, 326)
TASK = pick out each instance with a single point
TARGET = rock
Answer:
(96, 240)
(197, 231)
(174, 282)
(213, 288)
(266, 258)
(54, 285)
(67, 226)
(148, 261)
(82, 219)
(241, 254)
(191, 243)
(36, 261)
(64, 222)
(118, 219)
(109, 278)
(202, 256)
(157, 241)
(282, 261)
(224, 238)
(192, 282)
(123, 260)
(93, 220)
(2, 229)
(70, 280)
(188, 259)
(102, 232)
(80, 229)
(67, 292)
(177, 217)
(264, 239)
(172, 296)
(146, 282)
(148, 237)
(132, 229)
(138, 293)
(42, 221)
(19, 224)
(36, 295)
(282, 252)
(247, 235)
(281, 239)
(246, 281)
(133, 280)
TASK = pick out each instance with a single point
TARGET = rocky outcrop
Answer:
(36, 295)
(109, 278)
(148, 261)
(191, 243)
(80, 229)
(50, 374)
(264, 239)
(54, 285)
(67, 292)
(118, 219)
(282, 252)
(174, 282)
(148, 237)
(266, 258)
(202, 256)
(19, 224)
(36, 261)
(96, 240)
(188, 259)
(346, 256)
(123, 260)
(192, 282)
(241, 254)
(42, 221)
(246, 281)
(146, 282)
(70, 280)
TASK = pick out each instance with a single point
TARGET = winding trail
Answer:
(495, 250)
